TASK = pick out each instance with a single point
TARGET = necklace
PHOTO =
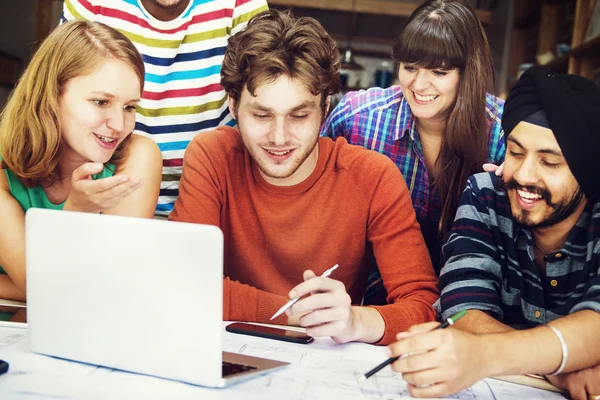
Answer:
(543, 251)
(540, 247)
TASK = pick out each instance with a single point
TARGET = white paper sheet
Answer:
(320, 370)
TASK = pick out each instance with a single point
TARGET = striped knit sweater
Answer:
(490, 264)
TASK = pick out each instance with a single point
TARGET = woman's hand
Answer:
(94, 196)
(494, 168)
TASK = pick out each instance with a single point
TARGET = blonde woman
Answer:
(66, 139)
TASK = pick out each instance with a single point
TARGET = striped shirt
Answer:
(491, 265)
(182, 94)
(381, 120)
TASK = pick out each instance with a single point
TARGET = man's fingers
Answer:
(84, 171)
(415, 363)
(415, 329)
(415, 344)
(558, 381)
(433, 391)
(320, 317)
(330, 329)
(320, 301)
(317, 284)
(426, 374)
(308, 274)
(577, 392)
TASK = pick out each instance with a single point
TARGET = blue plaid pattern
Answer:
(381, 120)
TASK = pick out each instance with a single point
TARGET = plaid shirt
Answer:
(381, 120)
(491, 265)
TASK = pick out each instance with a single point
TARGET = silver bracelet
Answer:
(564, 348)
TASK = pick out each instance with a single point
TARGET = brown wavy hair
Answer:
(276, 43)
(447, 34)
(30, 131)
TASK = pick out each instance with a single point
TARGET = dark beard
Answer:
(561, 211)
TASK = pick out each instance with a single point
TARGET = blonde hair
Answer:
(30, 131)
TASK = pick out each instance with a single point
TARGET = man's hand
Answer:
(438, 363)
(326, 311)
(580, 384)
(94, 196)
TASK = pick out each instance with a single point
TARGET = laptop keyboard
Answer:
(232, 368)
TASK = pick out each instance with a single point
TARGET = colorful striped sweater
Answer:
(182, 95)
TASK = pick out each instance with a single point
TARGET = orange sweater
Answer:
(353, 210)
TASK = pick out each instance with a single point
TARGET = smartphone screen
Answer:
(269, 333)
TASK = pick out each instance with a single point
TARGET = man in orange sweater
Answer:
(290, 203)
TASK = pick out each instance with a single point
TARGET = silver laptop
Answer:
(132, 294)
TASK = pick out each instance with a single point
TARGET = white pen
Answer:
(293, 301)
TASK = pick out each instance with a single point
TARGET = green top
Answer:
(35, 197)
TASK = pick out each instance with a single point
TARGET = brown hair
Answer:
(30, 131)
(447, 34)
(276, 43)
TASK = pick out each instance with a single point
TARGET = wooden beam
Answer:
(582, 13)
(364, 39)
(378, 7)
(9, 69)
(43, 23)
(518, 53)
(333, 5)
(48, 14)
(549, 27)
(393, 8)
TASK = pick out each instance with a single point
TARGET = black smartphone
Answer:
(3, 367)
(269, 333)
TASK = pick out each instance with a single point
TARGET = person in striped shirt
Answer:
(439, 126)
(182, 43)
(523, 257)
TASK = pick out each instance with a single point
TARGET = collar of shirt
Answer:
(576, 237)
(406, 121)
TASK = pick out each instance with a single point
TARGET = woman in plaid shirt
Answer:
(439, 125)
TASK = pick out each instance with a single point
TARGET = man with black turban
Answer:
(523, 256)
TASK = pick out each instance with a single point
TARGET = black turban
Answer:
(572, 106)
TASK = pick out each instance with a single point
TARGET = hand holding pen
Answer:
(449, 322)
(437, 362)
(290, 303)
(320, 304)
